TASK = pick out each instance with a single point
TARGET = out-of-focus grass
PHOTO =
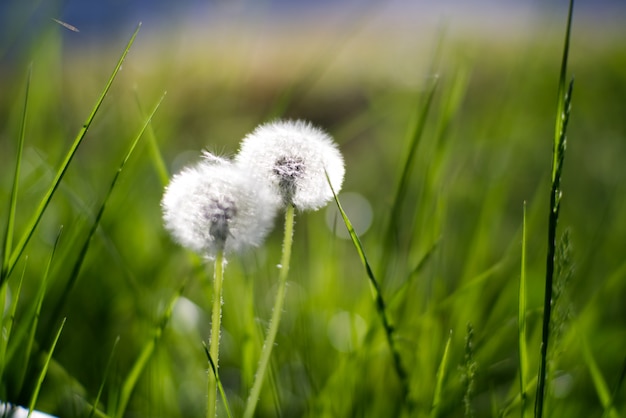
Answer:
(485, 149)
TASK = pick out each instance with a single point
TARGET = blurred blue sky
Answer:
(95, 17)
(112, 20)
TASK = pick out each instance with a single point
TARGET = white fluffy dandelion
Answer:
(291, 157)
(213, 206)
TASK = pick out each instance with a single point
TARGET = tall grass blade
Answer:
(558, 154)
(381, 308)
(146, 353)
(155, 152)
(441, 372)
(415, 136)
(220, 387)
(104, 379)
(34, 320)
(85, 248)
(521, 322)
(602, 389)
(7, 329)
(8, 240)
(44, 371)
(34, 221)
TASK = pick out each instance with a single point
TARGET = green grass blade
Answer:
(521, 321)
(146, 353)
(415, 135)
(558, 154)
(602, 389)
(8, 241)
(378, 298)
(85, 248)
(441, 372)
(217, 379)
(155, 152)
(34, 318)
(42, 375)
(34, 221)
(7, 329)
(104, 378)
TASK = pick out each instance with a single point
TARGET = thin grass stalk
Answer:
(92, 231)
(155, 152)
(34, 221)
(104, 379)
(599, 383)
(220, 387)
(415, 136)
(521, 322)
(441, 372)
(8, 239)
(381, 308)
(558, 154)
(34, 320)
(128, 386)
(44, 371)
(7, 330)
(216, 321)
(277, 311)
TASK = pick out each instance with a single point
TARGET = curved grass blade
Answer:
(83, 252)
(7, 329)
(217, 379)
(415, 136)
(441, 372)
(155, 152)
(34, 317)
(8, 240)
(558, 153)
(42, 375)
(521, 322)
(104, 378)
(602, 389)
(146, 353)
(378, 297)
(34, 221)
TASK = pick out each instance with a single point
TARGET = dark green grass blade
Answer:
(217, 379)
(8, 241)
(42, 375)
(128, 386)
(34, 318)
(378, 298)
(441, 372)
(104, 378)
(558, 154)
(521, 322)
(85, 248)
(34, 221)
(415, 136)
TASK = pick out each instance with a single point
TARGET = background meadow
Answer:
(462, 99)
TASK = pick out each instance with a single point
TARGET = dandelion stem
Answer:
(216, 320)
(276, 314)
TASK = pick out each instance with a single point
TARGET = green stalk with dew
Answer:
(558, 154)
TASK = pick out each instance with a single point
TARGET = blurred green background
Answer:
(362, 72)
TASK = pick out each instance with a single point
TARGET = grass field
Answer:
(106, 309)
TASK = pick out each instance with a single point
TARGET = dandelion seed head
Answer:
(213, 206)
(292, 158)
